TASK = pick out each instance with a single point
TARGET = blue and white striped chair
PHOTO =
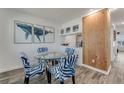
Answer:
(29, 70)
(64, 70)
(69, 51)
(42, 50)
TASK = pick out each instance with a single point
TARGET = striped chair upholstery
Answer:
(42, 50)
(65, 69)
(69, 51)
(29, 70)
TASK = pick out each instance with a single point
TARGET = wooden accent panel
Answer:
(96, 39)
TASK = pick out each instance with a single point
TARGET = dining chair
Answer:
(69, 51)
(41, 50)
(64, 70)
(31, 70)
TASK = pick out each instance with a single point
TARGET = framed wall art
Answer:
(38, 33)
(68, 29)
(62, 31)
(26, 33)
(49, 34)
(23, 32)
(75, 28)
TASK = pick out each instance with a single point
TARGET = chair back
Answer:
(68, 61)
(24, 59)
(69, 51)
(42, 50)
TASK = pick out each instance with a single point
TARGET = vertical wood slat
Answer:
(96, 38)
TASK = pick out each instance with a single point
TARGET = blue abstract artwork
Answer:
(29, 33)
(38, 33)
(49, 34)
(26, 28)
(23, 32)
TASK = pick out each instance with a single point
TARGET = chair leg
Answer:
(56, 62)
(73, 79)
(53, 63)
(61, 82)
(48, 76)
(26, 81)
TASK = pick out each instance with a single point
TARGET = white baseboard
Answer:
(98, 70)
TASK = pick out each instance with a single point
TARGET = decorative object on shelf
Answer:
(23, 32)
(79, 40)
(68, 29)
(49, 34)
(75, 28)
(38, 33)
(62, 31)
(30, 33)
(65, 44)
(114, 35)
(118, 33)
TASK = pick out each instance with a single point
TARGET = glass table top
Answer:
(51, 55)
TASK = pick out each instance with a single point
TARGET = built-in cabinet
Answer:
(96, 40)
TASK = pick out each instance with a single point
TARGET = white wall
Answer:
(121, 30)
(71, 23)
(72, 37)
(113, 45)
(8, 50)
(71, 40)
(120, 37)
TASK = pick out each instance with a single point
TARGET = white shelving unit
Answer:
(63, 31)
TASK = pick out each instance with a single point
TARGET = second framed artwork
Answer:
(49, 34)
(31, 33)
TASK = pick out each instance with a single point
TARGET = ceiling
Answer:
(61, 15)
(117, 16)
(58, 15)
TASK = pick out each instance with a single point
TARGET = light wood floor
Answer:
(83, 75)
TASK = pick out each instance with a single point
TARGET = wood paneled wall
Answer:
(96, 39)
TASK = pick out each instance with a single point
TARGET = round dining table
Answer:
(50, 56)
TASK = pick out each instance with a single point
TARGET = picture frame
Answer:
(114, 35)
(38, 31)
(27, 33)
(62, 31)
(75, 28)
(49, 34)
(23, 32)
(68, 29)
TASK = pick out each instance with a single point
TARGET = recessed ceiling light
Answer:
(91, 11)
(114, 26)
(122, 22)
(113, 9)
